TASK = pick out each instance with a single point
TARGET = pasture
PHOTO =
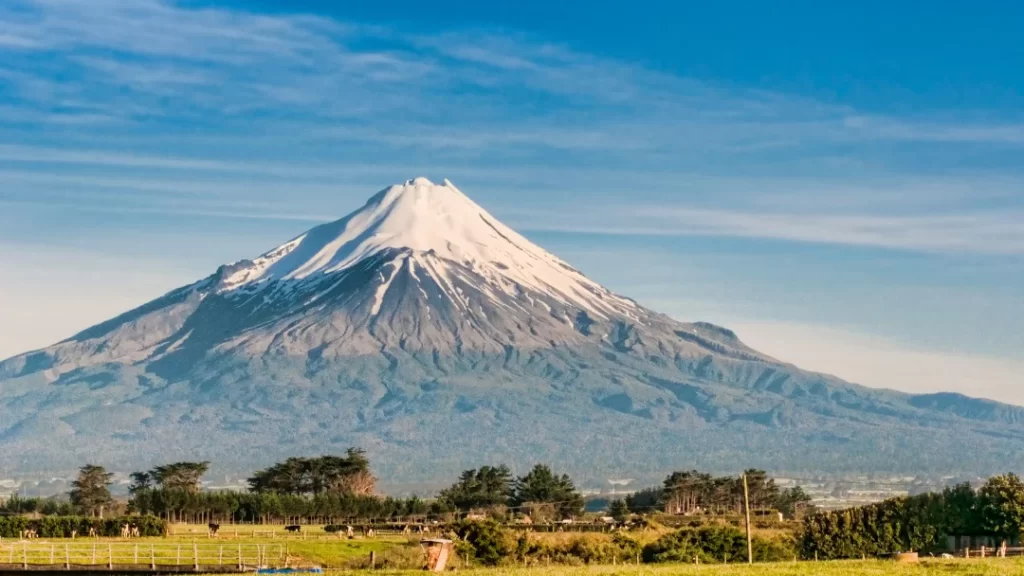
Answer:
(397, 555)
(989, 567)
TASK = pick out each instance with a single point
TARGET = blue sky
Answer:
(841, 184)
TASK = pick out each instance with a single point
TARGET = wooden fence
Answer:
(142, 557)
(991, 552)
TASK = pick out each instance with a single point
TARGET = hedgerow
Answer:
(65, 526)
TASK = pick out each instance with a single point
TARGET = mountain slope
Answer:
(426, 331)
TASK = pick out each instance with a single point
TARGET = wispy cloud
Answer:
(37, 154)
(992, 232)
(153, 59)
(244, 95)
(962, 132)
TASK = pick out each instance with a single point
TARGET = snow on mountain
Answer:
(432, 222)
(423, 329)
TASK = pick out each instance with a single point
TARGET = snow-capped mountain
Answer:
(423, 329)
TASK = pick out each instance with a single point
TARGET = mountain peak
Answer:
(438, 227)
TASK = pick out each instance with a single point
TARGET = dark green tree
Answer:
(1002, 506)
(762, 490)
(790, 500)
(684, 492)
(184, 476)
(646, 500)
(140, 481)
(349, 474)
(618, 510)
(90, 491)
(962, 510)
(487, 487)
(542, 486)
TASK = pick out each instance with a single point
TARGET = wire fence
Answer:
(111, 555)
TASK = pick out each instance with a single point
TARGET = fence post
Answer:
(67, 557)
(93, 553)
(746, 513)
(195, 556)
(136, 561)
(239, 557)
(152, 557)
(24, 556)
(220, 561)
(110, 556)
(177, 560)
(51, 554)
(373, 559)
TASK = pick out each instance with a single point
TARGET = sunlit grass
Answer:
(994, 567)
(274, 546)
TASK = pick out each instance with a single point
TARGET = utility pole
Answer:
(746, 510)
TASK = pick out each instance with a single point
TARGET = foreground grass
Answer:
(185, 550)
(342, 556)
(958, 567)
(341, 553)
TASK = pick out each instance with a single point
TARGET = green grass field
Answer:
(343, 556)
(1006, 567)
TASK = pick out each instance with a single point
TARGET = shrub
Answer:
(488, 540)
(898, 524)
(779, 549)
(63, 526)
(628, 547)
(708, 543)
(716, 543)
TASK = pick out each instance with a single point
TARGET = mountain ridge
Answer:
(426, 331)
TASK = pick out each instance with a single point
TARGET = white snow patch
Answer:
(177, 343)
(378, 297)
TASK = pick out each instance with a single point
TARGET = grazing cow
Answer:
(135, 531)
(92, 532)
(73, 534)
(126, 531)
(213, 528)
(369, 533)
(947, 556)
(293, 528)
(349, 532)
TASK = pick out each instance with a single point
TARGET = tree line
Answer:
(540, 493)
(324, 489)
(918, 523)
(330, 488)
(67, 526)
(693, 491)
